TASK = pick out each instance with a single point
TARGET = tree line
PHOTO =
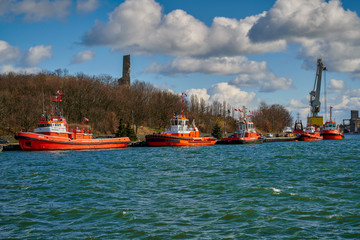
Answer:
(24, 97)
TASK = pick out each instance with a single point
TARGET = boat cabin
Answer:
(330, 126)
(310, 129)
(52, 126)
(179, 126)
(245, 128)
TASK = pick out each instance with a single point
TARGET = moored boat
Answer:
(298, 127)
(245, 132)
(331, 131)
(311, 134)
(179, 134)
(52, 133)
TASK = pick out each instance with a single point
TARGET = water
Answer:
(301, 190)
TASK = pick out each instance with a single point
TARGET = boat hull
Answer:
(244, 140)
(311, 137)
(33, 141)
(332, 135)
(160, 140)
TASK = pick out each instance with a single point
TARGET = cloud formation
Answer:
(323, 28)
(211, 65)
(87, 6)
(224, 92)
(266, 81)
(35, 10)
(336, 85)
(175, 34)
(14, 59)
(83, 56)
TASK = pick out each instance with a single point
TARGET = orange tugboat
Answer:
(298, 127)
(311, 134)
(331, 131)
(52, 134)
(179, 134)
(244, 134)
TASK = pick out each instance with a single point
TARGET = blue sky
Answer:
(241, 52)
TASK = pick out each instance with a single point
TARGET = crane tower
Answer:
(314, 118)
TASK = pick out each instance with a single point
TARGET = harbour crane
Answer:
(315, 93)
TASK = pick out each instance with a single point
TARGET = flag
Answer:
(235, 109)
(55, 99)
(85, 119)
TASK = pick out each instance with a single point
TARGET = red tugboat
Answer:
(311, 134)
(244, 134)
(179, 134)
(298, 127)
(52, 134)
(331, 131)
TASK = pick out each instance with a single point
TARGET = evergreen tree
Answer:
(130, 133)
(121, 132)
(217, 131)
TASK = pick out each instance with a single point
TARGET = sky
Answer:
(241, 52)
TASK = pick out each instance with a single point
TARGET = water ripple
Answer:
(270, 191)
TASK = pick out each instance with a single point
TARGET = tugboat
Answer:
(179, 134)
(310, 134)
(331, 131)
(52, 133)
(245, 133)
(298, 127)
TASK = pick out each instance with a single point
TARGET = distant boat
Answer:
(245, 132)
(310, 134)
(298, 127)
(52, 133)
(179, 134)
(331, 131)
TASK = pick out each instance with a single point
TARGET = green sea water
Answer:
(285, 190)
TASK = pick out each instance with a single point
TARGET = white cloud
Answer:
(224, 92)
(298, 107)
(297, 104)
(354, 93)
(201, 93)
(10, 68)
(37, 54)
(323, 28)
(87, 5)
(8, 53)
(36, 10)
(16, 60)
(176, 33)
(83, 56)
(267, 81)
(348, 102)
(336, 85)
(212, 65)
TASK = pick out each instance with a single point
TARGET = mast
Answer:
(57, 99)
